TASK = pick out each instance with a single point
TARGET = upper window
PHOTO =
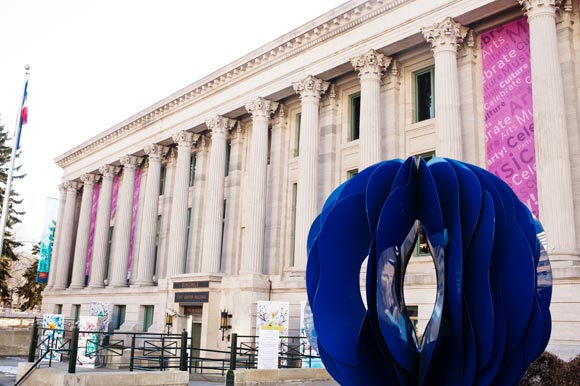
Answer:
(297, 135)
(351, 173)
(269, 143)
(162, 180)
(192, 169)
(425, 94)
(354, 115)
(228, 151)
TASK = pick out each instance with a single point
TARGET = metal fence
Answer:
(153, 351)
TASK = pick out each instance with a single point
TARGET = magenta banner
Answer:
(94, 208)
(115, 196)
(507, 95)
(136, 188)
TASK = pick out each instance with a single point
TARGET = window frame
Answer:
(354, 120)
(416, 75)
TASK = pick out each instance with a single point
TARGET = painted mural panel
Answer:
(52, 336)
(105, 311)
(509, 123)
(88, 341)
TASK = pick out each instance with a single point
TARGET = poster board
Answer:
(89, 326)
(52, 334)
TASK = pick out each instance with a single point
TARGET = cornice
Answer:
(327, 26)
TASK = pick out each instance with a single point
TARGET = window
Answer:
(354, 115)
(58, 308)
(228, 151)
(119, 316)
(269, 143)
(424, 94)
(147, 317)
(108, 257)
(192, 169)
(422, 244)
(157, 237)
(162, 180)
(297, 135)
(187, 228)
(223, 232)
(76, 311)
(351, 173)
(293, 226)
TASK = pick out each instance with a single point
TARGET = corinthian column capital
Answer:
(89, 179)
(155, 151)
(220, 124)
(109, 170)
(71, 186)
(534, 8)
(261, 107)
(445, 35)
(310, 87)
(372, 63)
(130, 161)
(183, 138)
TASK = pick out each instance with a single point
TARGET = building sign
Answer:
(191, 297)
(507, 97)
(192, 284)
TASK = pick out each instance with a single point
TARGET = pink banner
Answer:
(507, 95)
(136, 189)
(92, 228)
(115, 195)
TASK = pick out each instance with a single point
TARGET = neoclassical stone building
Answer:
(203, 201)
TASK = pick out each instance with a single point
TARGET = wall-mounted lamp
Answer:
(168, 322)
(225, 323)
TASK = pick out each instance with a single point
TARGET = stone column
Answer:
(102, 224)
(178, 226)
(392, 112)
(123, 218)
(146, 265)
(370, 67)
(445, 38)
(66, 239)
(310, 90)
(214, 195)
(253, 249)
(57, 236)
(83, 229)
(550, 131)
(196, 228)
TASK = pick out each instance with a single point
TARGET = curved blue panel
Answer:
(490, 262)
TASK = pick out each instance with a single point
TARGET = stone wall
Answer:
(14, 342)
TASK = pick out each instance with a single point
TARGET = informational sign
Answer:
(47, 240)
(87, 355)
(192, 284)
(509, 120)
(272, 316)
(269, 344)
(52, 333)
(105, 311)
(191, 297)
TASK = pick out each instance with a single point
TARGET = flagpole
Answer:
(15, 141)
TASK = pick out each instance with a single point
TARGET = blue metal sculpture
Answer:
(491, 316)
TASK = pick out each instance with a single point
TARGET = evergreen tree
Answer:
(31, 291)
(10, 244)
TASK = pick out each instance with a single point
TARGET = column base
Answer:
(76, 287)
(95, 286)
(118, 284)
(143, 284)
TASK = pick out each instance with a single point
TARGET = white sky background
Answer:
(96, 63)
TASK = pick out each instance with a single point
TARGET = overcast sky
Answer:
(94, 64)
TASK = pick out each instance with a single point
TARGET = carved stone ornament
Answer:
(108, 170)
(445, 34)
(532, 8)
(261, 107)
(371, 63)
(62, 189)
(131, 161)
(155, 151)
(183, 138)
(71, 186)
(311, 86)
(89, 179)
(220, 124)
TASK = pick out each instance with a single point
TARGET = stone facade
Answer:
(205, 198)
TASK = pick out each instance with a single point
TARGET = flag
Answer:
(23, 114)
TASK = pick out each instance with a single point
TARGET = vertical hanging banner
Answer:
(136, 189)
(507, 97)
(46, 240)
(94, 209)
